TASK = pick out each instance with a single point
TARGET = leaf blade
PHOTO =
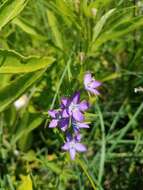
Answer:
(16, 88)
(10, 9)
(11, 62)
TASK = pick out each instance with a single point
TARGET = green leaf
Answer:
(33, 122)
(26, 183)
(55, 30)
(100, 24)
(12, 62)
(10, 9)
(28, 28)
(66, 11)
(14, 89)
(112, 76)
(4, 80)
(118, 30)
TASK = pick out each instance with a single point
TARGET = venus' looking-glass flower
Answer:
(91, 84)
(73, 107)
(70, 117)
(58, 120)
(72, 145)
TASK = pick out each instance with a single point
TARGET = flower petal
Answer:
(65, 113)
(72, 153)
(53, 123)
(66, 146)
(68, 137)
(64, 102)
(76, 98)
(95, 84)
(52, 113)
(84, 105)
(82, 125)
(94, 91)
(77, 115)
(87, 78)
(78, 137)
(80, 147)
(64, 124)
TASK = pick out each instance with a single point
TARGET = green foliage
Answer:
(26, 183)
(10, 9)
(12, 62)
(46, 46)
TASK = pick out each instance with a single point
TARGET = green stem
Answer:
(126, 128)
(103, 147)
(84, 168)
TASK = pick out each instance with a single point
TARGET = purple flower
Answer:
(91, 84)
(78, 125)
(65, 102)
(72, 145)
(73, 107)
(58, 120)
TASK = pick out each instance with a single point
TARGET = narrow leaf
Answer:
(10, 9)
(12, 62)
(28, 28)
(17, 87)
(100, 24)
(55, 30)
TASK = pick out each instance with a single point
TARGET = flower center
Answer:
(59, 116)
(75, 125)
(89, 83)
(72, 144)
(73, 106)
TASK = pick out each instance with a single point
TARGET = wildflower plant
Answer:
(70, 117)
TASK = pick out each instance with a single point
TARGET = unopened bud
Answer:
(81, 56)
(93, 11)
(22, 101)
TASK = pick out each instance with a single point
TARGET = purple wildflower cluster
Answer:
(70, 116)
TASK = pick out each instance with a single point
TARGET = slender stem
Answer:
(10, 182)
(126, 128)
(1, 129)
(103, 147)
(117, 117)
(84, 168)
(60, 82)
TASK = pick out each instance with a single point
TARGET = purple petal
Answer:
(65, 113)
(94, 91)
(80, 147)
(76, 98)
(77, 115)
(64, 124)
(87, 78)
(64, 128)
(78, 137)
(72, 153)
(83, 125)
(95, 84)
(69, 137)
(52, 113)
(84, 105)
(66, 146)
(53, 123)
(64, 102)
